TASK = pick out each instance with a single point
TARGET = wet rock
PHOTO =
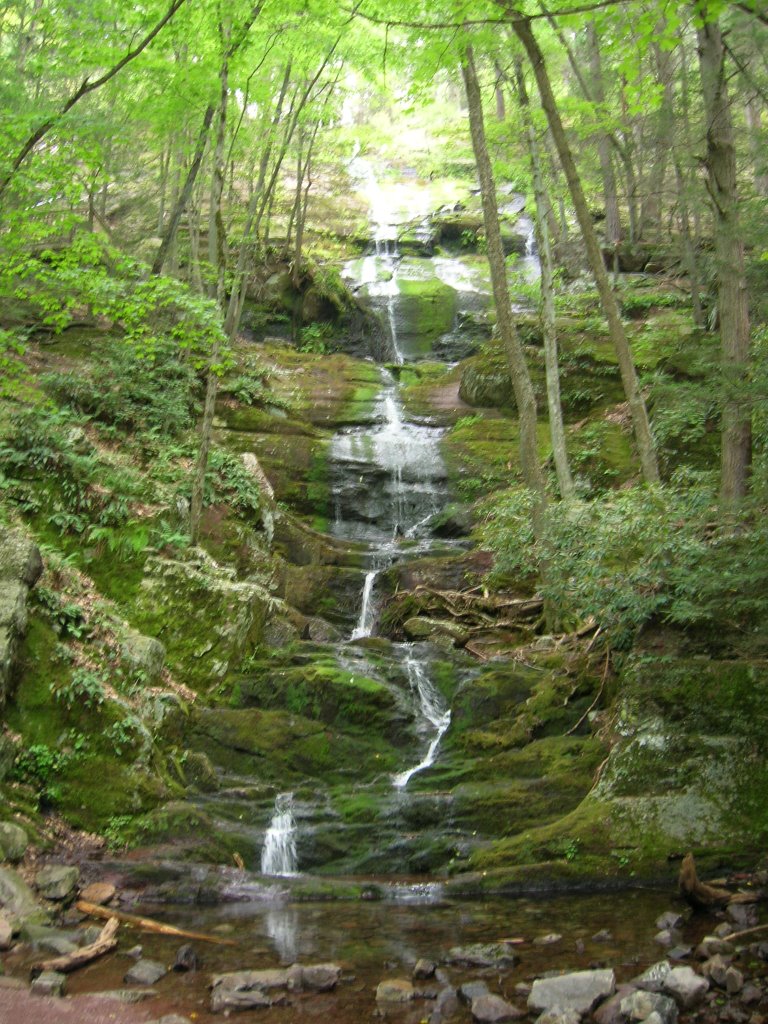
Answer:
(579, 991)
(424, 969)
(186, 959)
(711, 945)
(135, 952)
(667, 937)
(724, 930)
(145, 972)
(395, 990)
(670, 920)
(610, 1012)
(734, 980)
(642, 1005)
(98, 892)
(322, 631)
(13, 841)
(16, 897)
(472, 990)
(604, 935)
(715, 969)
(51, 940)
(6, 933)
(547, 940)
(170, 1018)
(653, 979)
(316, 977)
(743, 915)
(751, 994)
(127, 995)
(243, 990)
(523, 988)
(56, 881)
(679, 952)
(490, 1009)
(490, 954)
(685, 986)
(419, 628)
(49, 983)
(558, 1016)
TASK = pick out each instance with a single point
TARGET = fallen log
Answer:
(698, 893)
(148, 924)
(69, 962)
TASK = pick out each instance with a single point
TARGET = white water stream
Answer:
(278, 857)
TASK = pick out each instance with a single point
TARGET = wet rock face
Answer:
(20, 568)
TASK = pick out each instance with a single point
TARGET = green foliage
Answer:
(40, 766)
(229, 481)
(66, 617)
(156, 395)
(84, 688)
(314, 338)
(90, 274)
(638, 555)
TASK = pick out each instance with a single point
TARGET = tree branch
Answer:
(85, 87)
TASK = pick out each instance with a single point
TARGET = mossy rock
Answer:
(207, 620)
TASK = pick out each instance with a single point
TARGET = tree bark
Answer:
(736, 443)
(518, 370)
(635, 400)
(169, 235)
(610, 195)
(547, 312)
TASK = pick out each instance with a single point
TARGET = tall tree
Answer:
(518, 370)
(640, 422)
(733, 311)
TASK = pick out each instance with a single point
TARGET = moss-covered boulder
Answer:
(207, 619)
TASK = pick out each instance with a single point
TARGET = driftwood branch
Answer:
(148, 924)
(698, 893)
(105, 943)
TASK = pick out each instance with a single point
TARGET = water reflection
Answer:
(281, 924)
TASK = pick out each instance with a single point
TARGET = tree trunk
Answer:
(521, 381)
(638, 411)
(610, 196)
(753, 115)
(736, 442)
(169, 235)
(547, 313)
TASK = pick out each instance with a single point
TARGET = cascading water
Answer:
(435, 715)
(278, 857)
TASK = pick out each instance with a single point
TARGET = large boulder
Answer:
(580, 991)
(16, 897)
(207, 619)
(20, 568)
(13, 841)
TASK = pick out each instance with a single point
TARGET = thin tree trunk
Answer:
(736, 450)
(651, 207)
(547, 312)
(518, 370)
(169, 235)
(610, 196)
(689, 250)
(635, 400)
(753, 115)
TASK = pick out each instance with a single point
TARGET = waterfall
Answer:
(364, 625)
(279, 854)
(434, 714)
